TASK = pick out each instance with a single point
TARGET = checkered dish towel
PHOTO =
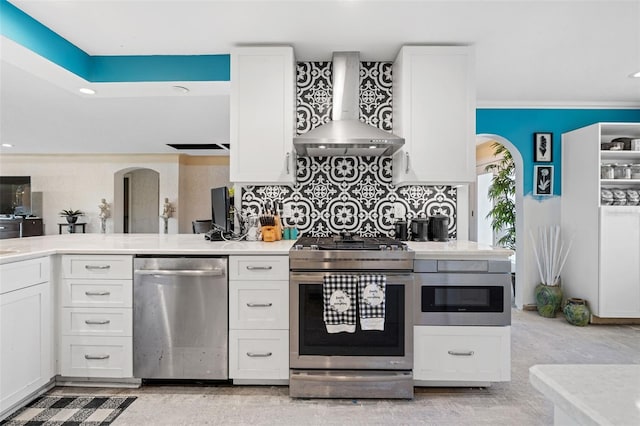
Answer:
(371, 298)
(339, 295)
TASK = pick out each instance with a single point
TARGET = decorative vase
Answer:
(577, 312)
(72, 219)
(548, 299)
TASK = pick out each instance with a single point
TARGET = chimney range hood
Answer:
(346, 134)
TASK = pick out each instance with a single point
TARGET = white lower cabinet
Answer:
(462, 354)
(96, 316)
(26, 330)
(259, 354)
(259, 319)
(91, 356)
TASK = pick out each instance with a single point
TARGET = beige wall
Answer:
(81, 181)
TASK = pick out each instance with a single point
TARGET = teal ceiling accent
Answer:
(26, 31)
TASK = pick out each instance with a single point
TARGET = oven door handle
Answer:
(460, 353)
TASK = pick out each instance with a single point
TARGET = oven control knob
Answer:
(314, 247)
(394, 247)
(297, 247)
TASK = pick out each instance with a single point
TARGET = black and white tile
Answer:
(348, 193)
(355, 194)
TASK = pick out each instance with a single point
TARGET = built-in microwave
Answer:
(462, 292)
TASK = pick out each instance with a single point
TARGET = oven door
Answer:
(312, 347)
(463, 299)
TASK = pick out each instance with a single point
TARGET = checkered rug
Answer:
(69, 411)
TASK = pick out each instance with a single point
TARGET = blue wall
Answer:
(519, 125)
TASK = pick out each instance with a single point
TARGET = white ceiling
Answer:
(537, 53)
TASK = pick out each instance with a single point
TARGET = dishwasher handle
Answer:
(217, 272)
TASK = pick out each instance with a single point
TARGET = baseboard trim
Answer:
(614, 321)
(530, 307)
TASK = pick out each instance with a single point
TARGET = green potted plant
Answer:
(71, 215)
(502, 192)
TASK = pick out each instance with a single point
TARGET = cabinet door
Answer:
(259, 305)
(259, 354)
(262, 115)
(462, 354)
(434, 110)
(619, 287)
(25, 343)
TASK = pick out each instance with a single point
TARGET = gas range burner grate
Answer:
(341, 242)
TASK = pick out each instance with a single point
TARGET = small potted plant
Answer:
(71, 215)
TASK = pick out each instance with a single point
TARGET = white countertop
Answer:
(592, 394)
(15, 249)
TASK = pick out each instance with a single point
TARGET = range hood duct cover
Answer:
(346, 134)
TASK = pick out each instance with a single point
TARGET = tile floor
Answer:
(535, 340)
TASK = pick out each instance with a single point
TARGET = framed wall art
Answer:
(543, 147)
(543, 180)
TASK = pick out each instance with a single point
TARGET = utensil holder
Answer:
(269, 233)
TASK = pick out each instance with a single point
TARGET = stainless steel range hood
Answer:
(346, 134)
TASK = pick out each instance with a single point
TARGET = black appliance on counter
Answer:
(438, 228)
(363, 363)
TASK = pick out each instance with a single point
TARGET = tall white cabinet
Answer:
(262, 112)
(26, 331)
(603, 266)
(434, 110)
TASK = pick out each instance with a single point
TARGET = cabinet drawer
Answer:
(259, 267)
(259, 354)
(97, 266)
(259, 305)
(462, 353)
(96, 321)
(98, 293)
(14, 276)
(88, 356)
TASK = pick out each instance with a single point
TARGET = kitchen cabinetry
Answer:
(259, 319)
(460, 354)
(262, 112)
(602, 266)
(26, 331)
(96, 316)
(434, 110)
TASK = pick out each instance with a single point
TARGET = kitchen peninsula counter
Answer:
(12, 250)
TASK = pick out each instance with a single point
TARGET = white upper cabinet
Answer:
(434, 110)
(262, 115)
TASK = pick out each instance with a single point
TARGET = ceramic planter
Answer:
(548, 299)
(577, 312)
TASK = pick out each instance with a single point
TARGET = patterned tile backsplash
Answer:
(355, 194)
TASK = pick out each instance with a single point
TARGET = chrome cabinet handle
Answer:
(457, 353)
(97, 322)
(182, 272)
(259, 268)
(3, 227)
(259, 305)
(407, 170)
(97, 293)
(97, 356)
(286, 161)
(97, 267)
(259, 354)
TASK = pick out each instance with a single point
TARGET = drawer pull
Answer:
(259, 354)
(97, 293)
(259, 268)
(97, 356)
(259, 305)
(457, 353)
(3, 227)
(97, 322)
(97, 267)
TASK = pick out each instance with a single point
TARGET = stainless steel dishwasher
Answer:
(180, 318)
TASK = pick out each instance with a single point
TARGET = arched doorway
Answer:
(136, 201)
(519, 201)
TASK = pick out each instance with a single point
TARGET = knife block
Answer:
(269, 233)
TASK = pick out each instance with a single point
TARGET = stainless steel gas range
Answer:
(360, 362)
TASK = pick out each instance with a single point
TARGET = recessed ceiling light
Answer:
(635, 75)
(7, 145)
(180, 89)
(87, 91)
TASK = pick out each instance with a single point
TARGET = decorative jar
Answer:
(577, 312)
(548, 299)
